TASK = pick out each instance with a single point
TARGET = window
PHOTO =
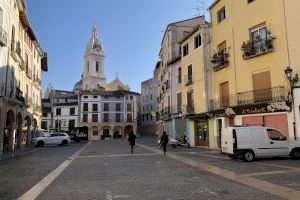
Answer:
(275, 135)
(72, 111)
(85, 117)
(118, 117)
(129, 107)
(129, 117)
(151, 96)
(190, 75)
(118, 107)
(105, 119)
(45, 114)
(262, 86)
(179, 102)
(95, 97)
(131, 97)
(58, 111)
(97, 66)
(106, 107)
(85, 97)
(12, 46)
(221, 15)
(95, 107)
(71, 124)
(94, 117)
(88, 66)
(179, 75)
(85, 107)
(224, 94)
(258, 32)
(44, 125)
(190, 101)
(185, 50)
(197, 41)
(250, 1)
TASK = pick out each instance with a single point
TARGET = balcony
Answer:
(220, 60)
(19, 96)
(3, 37)
(259, 46)
(188, 79)
(189, 109)
(275, 94)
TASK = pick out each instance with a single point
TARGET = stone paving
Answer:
(107, 170)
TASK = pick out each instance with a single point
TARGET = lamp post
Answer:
(293, 81)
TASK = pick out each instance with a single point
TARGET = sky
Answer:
(130, 32)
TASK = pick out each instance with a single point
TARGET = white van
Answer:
(254, 141)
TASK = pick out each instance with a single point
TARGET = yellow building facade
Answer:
(196, 84)
(249, 55)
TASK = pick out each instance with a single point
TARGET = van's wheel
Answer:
(64, 143)
(295, 154)
(248, 156)
(40, 143)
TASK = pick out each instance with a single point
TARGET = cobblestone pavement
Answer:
(107, 170)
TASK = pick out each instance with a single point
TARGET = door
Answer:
(219, 132)
(279, 145)
(201, 134)
(262, 86)
(224, 94)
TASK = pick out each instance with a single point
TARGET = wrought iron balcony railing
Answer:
(252, 48)
(19, 95)
(248, 98)
(3, 37)
(220, 60)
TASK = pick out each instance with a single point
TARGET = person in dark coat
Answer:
(131, 140)
(164, 141)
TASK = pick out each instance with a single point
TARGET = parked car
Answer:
(52, 138)
(252, 142)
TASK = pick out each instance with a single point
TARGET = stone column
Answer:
(28, 135)
(11, 136)
(19, 135)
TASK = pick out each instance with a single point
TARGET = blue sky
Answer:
(130, 31)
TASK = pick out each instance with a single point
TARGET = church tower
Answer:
(93, 74)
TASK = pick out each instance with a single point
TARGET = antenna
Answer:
(200, 8)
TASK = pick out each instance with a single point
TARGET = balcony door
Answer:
(262, 86)
(224, 94)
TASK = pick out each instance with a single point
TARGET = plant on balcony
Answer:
(220, 59)
(257, 46)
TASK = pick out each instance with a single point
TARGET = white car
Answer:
(248, 143)
(53, 138)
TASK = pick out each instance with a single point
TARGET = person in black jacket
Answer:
(131, 140)
(164, 141)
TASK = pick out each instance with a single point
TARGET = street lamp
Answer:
(293, 81)
(289, 75)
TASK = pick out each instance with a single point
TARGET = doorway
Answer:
(105, 134)
(201, 134)
(219, 132)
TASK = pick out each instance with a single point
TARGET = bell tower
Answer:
(93, 74)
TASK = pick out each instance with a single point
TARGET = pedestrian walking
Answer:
(131, 140)
(164, 141)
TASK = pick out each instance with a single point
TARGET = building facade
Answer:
(167, 76)
(21, 77)
(147, 114)
(196, 84)
(60, 110)
(250, 56)
(108, 114)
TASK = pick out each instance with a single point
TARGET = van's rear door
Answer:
(227, 140)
